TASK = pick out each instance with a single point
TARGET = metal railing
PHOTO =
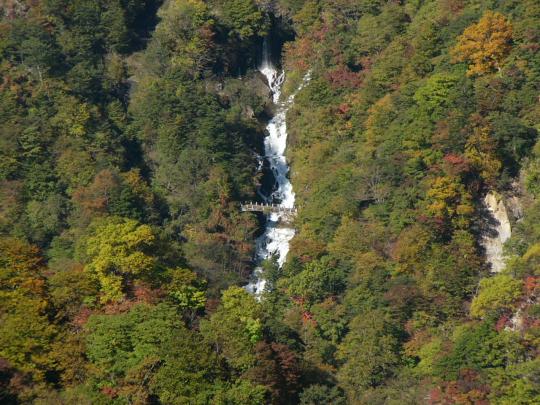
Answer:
(267, 208)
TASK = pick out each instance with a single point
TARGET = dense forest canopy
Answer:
(130, 132)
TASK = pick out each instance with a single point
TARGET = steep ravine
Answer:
(498, 232)
(278, 232)
(501, 213)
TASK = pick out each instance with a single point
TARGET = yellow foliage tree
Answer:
(447, 198)
(117, 251)
(410, 248)
(480, 150)
(485, 44)
(380, 116)
(25, 331)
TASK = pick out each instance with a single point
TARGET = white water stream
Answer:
(277, 235)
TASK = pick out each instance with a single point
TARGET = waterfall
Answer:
(276, 237)
(274, 78)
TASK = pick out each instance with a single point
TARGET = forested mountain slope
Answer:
(131, 131)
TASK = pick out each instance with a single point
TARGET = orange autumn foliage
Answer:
(485, 44)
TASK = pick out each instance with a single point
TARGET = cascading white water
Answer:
(276, 237)
(275, 79)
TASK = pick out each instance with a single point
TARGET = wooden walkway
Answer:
(267, 208)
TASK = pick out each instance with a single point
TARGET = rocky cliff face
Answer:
(498, 232)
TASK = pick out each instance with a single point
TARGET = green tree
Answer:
(479, 346)
(235, 328)
(497, 293)
(321, 394)
(241, 392)
(184, 33)
(316, 281)
(437, 94)
(369, 353)
(516, 384)
(189, 372)
(148, 350)
(187, 291)
(116, 343)
(244, 18)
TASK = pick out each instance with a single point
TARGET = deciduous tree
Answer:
(116, 252)
(485, 44)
